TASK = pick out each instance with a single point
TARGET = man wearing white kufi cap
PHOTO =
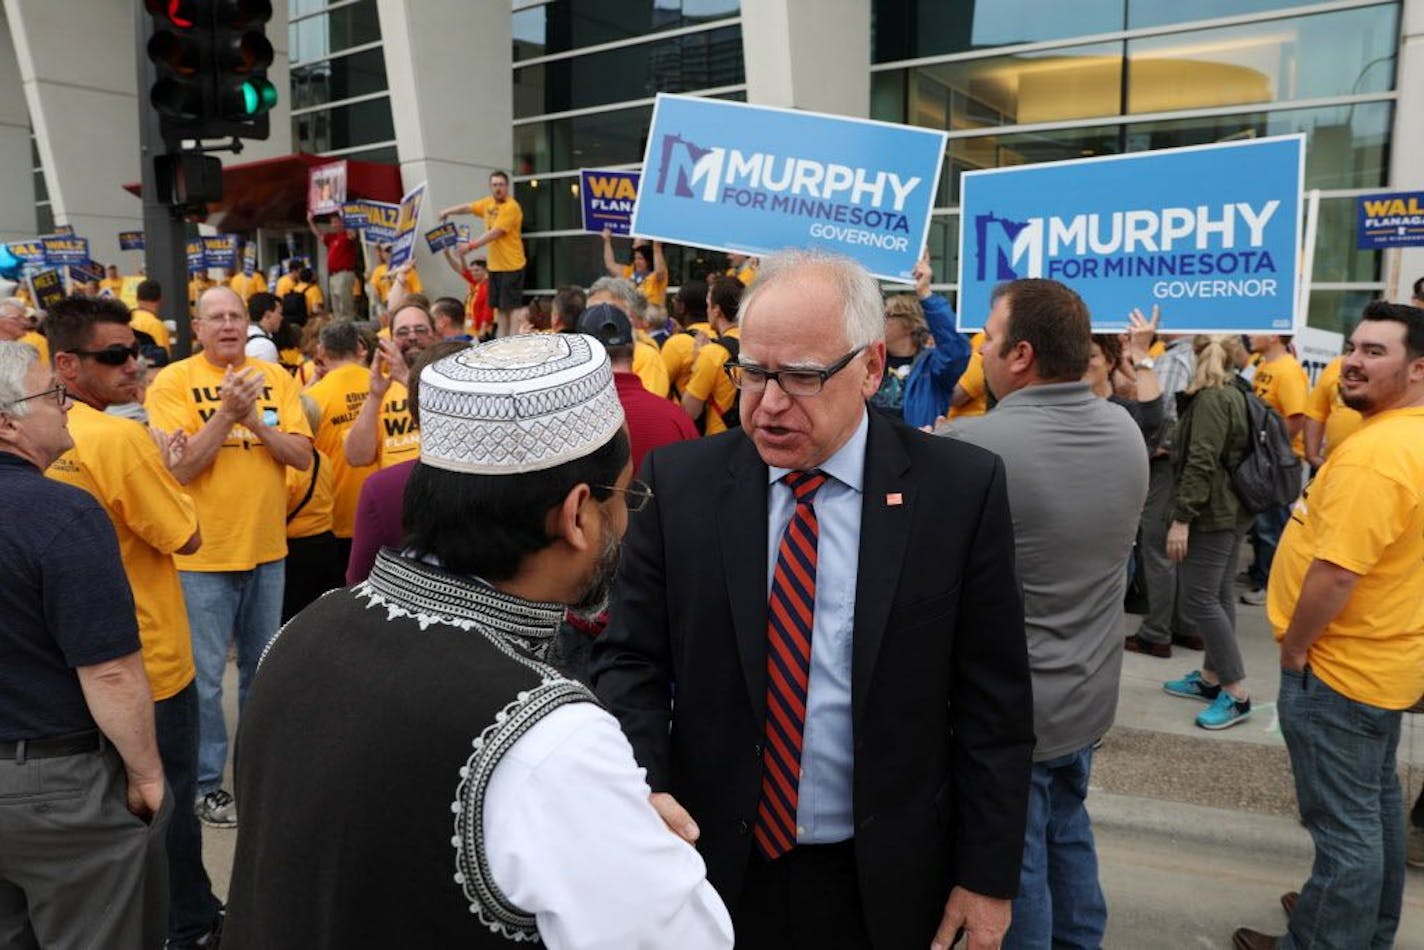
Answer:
(412, 772)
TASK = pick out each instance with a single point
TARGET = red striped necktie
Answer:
(790, 614)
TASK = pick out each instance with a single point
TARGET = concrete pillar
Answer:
(79, 83)
(1407, 148)
(17, 189)
(808, 54)
(447, 62)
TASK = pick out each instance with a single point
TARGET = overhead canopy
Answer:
(272, 193)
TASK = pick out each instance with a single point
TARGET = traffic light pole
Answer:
(165, 237)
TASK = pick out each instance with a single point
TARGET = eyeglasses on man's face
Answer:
(59, 394)
(115, 354)
(405, 333)
(808, 381)
(636, 495)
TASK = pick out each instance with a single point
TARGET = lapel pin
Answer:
(894, 499)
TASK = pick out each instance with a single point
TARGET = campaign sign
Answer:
(86, 272)
(249, 258)
(403, 245)
(66, 249)
(755, 179)
(130, 240)
(607, 198)
(220, 250)
(439, 238)
(326, 188)
(64, 229)
(28, 252)
(376, 220)
(464, 231)
(1211, 233)
(47, 287)
(196, 259)
(1390, 220)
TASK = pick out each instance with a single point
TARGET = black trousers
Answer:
(192, 907)
(315, 565)
(809, 897)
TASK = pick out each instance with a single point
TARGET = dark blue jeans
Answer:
(192, 906)
(1060, 902)
(1264, 541)
(1343, 756)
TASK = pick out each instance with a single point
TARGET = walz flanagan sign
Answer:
(755, 179)
(1211, 233)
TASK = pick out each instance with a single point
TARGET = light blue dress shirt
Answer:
(824, 803)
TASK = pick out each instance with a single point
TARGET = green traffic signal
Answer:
(258, 96)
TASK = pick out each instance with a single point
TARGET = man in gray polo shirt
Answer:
(1077, 472)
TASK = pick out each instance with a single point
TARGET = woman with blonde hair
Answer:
(1208, 523)
(924, 354)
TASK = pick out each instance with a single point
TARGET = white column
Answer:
(1407, 148)
(808, 54)
(17, 188)
(448, 65)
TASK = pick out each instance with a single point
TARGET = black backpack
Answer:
(1268, 475)
(294, 305)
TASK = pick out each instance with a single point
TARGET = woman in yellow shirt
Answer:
(648, 272)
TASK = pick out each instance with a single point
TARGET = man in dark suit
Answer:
(830, 597)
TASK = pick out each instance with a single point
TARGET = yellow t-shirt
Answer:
(315, 516)
(383, 281)
(39, 343)
(506, 253)
(399, 437)
(242, 495)
(1283, 385)
(1364, 511)
(677, 354)
(1326, 406)
(648, 365)
(196, 287)
(315, 298)
(247, 286)
(115, 460)
(114, 285)
(711, 385)
(972, 382)
(652, 287)
(285, 283)
(746, 274)
(340, 394)
(141, 319)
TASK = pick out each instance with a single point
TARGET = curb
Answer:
(1242, 831)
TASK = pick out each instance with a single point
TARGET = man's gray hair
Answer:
(15, 303)
(627, 293)
(15, 361)
(863, 318)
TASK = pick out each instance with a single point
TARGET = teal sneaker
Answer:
(1192, 686)
(1226, 712)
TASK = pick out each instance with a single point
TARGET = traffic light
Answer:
(211, 59)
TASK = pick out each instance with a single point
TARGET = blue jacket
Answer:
(930, 385)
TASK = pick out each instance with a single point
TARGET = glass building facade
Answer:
(340, 99)
(1015, 82)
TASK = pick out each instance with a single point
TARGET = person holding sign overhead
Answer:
(340, 265)
(504, 222)
(648, 272)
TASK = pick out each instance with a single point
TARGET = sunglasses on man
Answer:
(113, 355)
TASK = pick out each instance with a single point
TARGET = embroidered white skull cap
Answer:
(518, 404)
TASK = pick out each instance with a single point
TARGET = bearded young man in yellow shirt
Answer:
(384, 432)
(121, 465)
(243, 423)
(1347, 606)
(504, 225)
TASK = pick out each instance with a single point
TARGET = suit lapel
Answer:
(885, 522)
(741, 530)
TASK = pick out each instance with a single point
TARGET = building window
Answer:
(316, 37)
(564, 25)
(339, 78)
(341, 127)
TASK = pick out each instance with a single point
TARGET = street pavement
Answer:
(1197, 830)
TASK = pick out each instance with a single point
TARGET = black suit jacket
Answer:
(941, 707)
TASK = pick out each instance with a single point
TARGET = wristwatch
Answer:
(1146, 362)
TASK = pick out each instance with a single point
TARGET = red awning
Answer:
(272, 193)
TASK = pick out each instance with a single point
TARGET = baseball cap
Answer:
(607, 324)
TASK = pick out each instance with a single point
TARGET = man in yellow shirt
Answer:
(504, 224)
(339, 396)
(710, 398)
(648, 272)
(119, 463)
(243, 424)
(146, 317)
(247, 284)
(381, 279)
(679, 349)
(287, 280)
(1347, 607)
(971, 395)
(647, 361)
(112, 282)
(1328, 421)
(743, 268)
(384, 433)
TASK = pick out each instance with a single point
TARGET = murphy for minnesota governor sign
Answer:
(754, 179)
(1210, 233)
